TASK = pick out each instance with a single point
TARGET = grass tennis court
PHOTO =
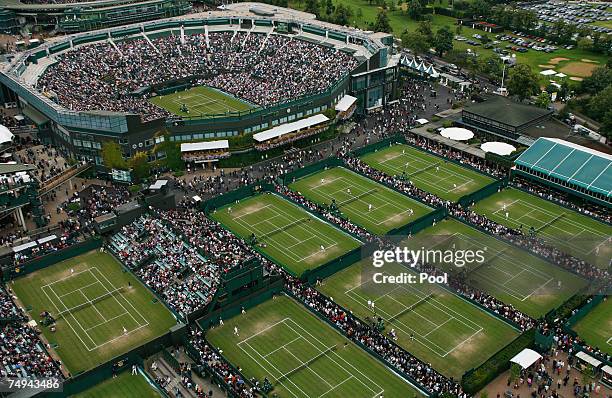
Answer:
(303, 356)
(441, 177)
(287, 233)
(98, 315)
(572, 232)
(596, 327)
(514, 276)
(125, 385)
(201, 100)
(450, 333)
(355, 194)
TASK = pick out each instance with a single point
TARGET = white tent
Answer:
(498, 148)
(457, 133)
(560, 74)
(422, 121)
(526, 358)
(548, 72)
(5, 135)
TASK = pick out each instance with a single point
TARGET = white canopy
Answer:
(498, 148)
(46, 239)
(196, 198)
(561, 74)
(292, 127)
(422, 121)
(345, 103)
(457, 133)
(588, 359)
(158, 184)
(204, 145)
(607, 369)
(548, 72)
(5, 135)
(526, 358)
(24, 246)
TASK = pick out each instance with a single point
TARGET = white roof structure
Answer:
(292, 127)
(526, 358)
(422, 121)
(196, 198)
(594, 362)
(204, 145)
(158, 184)
(607, 369)
(5, 135)
(345, 103)
(46, 239)
(548, 72)
(24, 246)
(498, 148)
(457, 133)
(560, 74)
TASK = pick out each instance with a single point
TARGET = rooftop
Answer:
(506, 111)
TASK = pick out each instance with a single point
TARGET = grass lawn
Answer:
(428, 172)
(596, 327)
(514, 276)
(123, 386)
(97, 315)
(450, 333)
(572, 232)
(285, 232)
(201, 100)
(303, 356)
(354, 193)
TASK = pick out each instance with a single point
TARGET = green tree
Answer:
(522, 82)
(140, 165)
(170, 152)
(515, 372)
(543, 100)
(443, 40)
(312, 6)
(415, 9)
(416, 42)
(112, 156)
(329, 8)
(599, 80)
(424, 28)
(382, 22)
(342, 15)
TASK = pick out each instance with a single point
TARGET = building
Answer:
(568, 167)
(19, 191)
(374, 82)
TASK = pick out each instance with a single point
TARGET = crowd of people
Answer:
(258, 68)
(49, 161)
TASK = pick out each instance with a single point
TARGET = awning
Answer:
(345, 103)
(46, 239)
(287, 128)
(158, 184)
(457, 133)
(526, 358)
(498, 148)
(422, 121)
(204, 145)
(196, 198)
(37, 117)
(588, 359)
(5, 135)
(23, 247)
(607, 369)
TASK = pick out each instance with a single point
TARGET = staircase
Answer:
(165, 370)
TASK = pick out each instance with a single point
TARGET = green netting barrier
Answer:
(332, 266)
(233, 196)
(583, 311)
(420, 223)
(310, 169)
(484, 192)
(394, 139)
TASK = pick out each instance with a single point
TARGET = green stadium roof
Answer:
(569, 162)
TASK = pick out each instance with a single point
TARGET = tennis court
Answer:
(596, 327)
(514, 276)
(572, 232)
(287, 233)
(367, 203)
(302, 356)
(99, 310)
(201, 101)
(441, 177)
(432, 323)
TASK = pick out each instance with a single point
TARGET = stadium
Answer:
(252, 202)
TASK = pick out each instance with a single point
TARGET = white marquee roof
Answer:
(526, 358)
(345, 103)
(457, 133)
(5, 135)
(292, 127)
(499, 148)
(204, 145)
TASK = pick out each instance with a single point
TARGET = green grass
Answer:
(428, 172)
(287, 233)
(514, 276)
(450, 333)
(596, 327)
(354, 193)
(92, 333)
(123, 386)
(281, 337)
(572, 232)
(202, 101)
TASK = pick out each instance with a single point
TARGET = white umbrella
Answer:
(457, 133)
(499, 148)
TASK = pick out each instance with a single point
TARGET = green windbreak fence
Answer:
(232, 196)
(50, 259)
(313, 168)
(394, 139)
(332, 266)
(582, 312)
(483, 192)
(420, 223)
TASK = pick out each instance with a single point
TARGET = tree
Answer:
(140, 165)
(342, 15)
(329, 8)
(382, 22)
(415, 9)
(425, 29)
(415, 41)
(443, 41)
(543, 100)
(599, 80)
(312, 6)
(522, 82)
(112, 156)
(515, 372)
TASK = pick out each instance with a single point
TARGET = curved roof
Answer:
(5, 135)
(569, 162)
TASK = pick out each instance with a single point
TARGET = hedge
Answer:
(476, 379)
